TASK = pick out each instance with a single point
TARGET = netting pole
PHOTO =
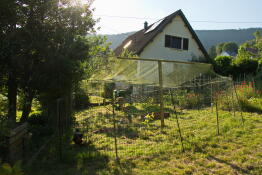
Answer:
(160, 74)
(114, 120)
(211, 94)
(217, 119)
(177, 122)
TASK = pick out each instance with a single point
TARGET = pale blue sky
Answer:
(233, 14)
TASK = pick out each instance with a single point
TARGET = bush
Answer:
(247, 90)
(81, 99)
(223, 65)
(190, 100)
(3, 104)
(6, 169)
(108, 90)
(249, 98)
(247, 65)
(251, 105)
(39, 127)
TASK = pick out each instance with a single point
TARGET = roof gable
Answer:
(142, 38)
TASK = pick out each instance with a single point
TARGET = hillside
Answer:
(208, 37)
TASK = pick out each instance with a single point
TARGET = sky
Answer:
(120, 16)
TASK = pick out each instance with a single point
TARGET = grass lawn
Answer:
(143, 149)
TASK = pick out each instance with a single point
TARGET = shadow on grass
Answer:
(77, 160)
(233, 166)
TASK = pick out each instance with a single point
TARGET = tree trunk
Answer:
(27, 104)
(12, 97)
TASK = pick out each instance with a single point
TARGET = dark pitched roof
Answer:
(140, 39)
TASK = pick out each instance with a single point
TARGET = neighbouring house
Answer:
(171, 38)
(227, 53)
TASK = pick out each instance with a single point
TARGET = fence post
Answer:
(161, 94)
(211, 94)
(114, 120)
(217, 119)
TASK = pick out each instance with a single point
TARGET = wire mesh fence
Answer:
(125, 120)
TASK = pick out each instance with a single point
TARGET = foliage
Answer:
(40, 128)
(3, 105)
(247, 90)
(230, 47)
(189, 100)
(44, 50)
(246, 64)
(147, 119)
(127, 54)
(212, 52)
(81, 99)
(7, 169)
(219, 48)
(223, 65)
(249, 98)
(108, 90)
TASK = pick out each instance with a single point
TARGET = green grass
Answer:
(143, 149)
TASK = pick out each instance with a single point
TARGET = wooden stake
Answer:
(217, 119)
(161, 94)
(177, 122)
(114, 120)
(211, 94)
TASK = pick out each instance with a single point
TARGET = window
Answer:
(176, 42)
(185, 44)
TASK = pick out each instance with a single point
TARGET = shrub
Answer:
(108, 90)
(249, 98)
(190, 100)
(247, 90)
(223, 65)
(81, 99)
(250, 105)
(6, 169)
(247, 65)
(3, 104)
(39, 127)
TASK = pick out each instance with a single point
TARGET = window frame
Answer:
(176, 41)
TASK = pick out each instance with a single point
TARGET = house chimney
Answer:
(146, 25)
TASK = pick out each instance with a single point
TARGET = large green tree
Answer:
(43, 49)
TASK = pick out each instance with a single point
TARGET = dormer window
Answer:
(176, 42)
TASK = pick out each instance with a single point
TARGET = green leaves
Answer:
(6, 169)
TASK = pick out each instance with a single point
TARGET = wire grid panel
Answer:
(130, 127)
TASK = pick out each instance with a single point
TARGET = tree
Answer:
(223, 65)
(245, 65)
(219, 48)
(212, 52)
(43, 48)
(230, 47)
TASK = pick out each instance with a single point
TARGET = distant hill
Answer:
(207, 37)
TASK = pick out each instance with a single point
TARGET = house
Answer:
(171, 38)
(227, 53)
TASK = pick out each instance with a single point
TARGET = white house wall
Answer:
(156, 49)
